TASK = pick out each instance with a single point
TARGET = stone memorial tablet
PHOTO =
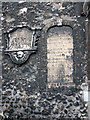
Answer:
(21, 39)
(59, 55)
(20, 44)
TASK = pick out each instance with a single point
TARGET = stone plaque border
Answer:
(69, 22)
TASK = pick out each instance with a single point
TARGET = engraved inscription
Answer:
(20, 39)
(59, 56)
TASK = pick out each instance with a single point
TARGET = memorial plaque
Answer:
(20, 44)
(59, 55)
(20, 39)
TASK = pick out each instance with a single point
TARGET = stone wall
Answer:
(26, 89)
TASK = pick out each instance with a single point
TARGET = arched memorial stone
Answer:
(60, 55)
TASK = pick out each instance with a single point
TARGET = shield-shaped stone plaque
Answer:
(20, 44)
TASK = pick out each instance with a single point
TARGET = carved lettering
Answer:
(59, 57)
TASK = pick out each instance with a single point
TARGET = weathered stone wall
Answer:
(26, 92)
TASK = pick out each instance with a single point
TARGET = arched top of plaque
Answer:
(21, 42)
